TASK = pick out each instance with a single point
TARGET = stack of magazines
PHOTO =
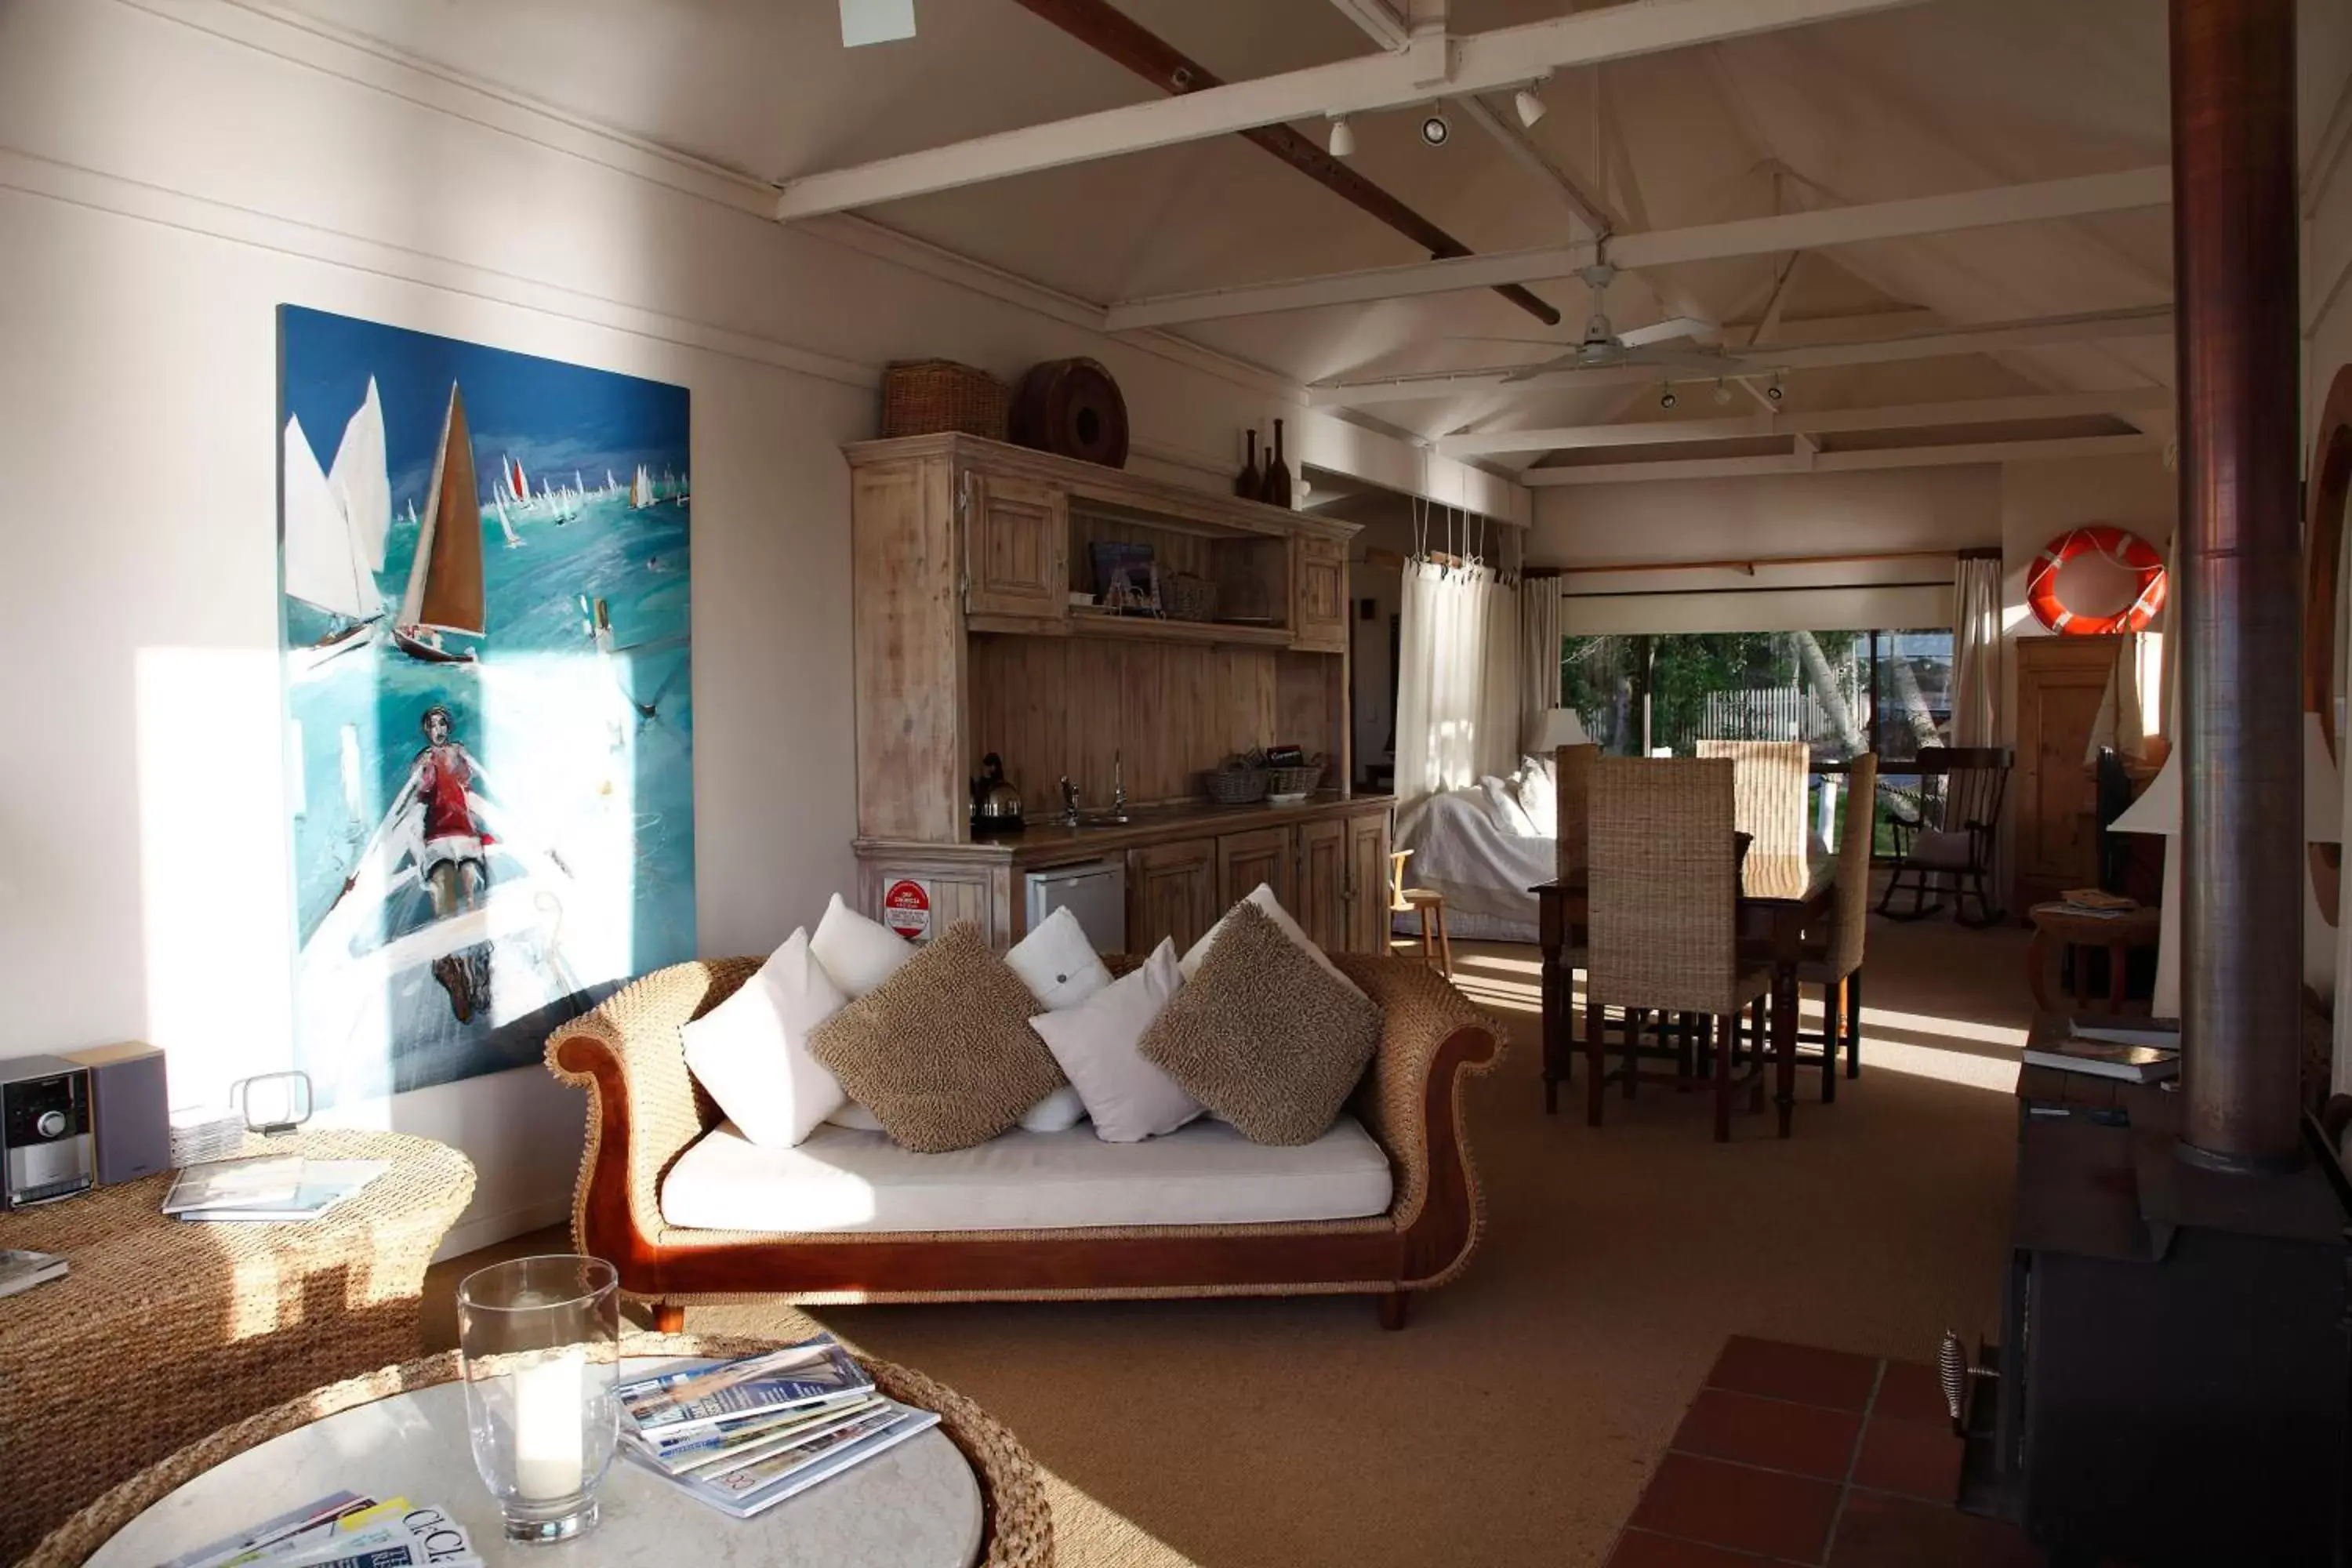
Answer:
(2135, 1050)
(344, 1531)
(743, 1436)
(267, 1189)
(21, 1269)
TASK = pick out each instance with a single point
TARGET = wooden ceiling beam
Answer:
(1432, 65)
(1113, 34)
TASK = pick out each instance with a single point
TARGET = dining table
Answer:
(1781, 896)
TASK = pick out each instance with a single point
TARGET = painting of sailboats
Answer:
(491, 803)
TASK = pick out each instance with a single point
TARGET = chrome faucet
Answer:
(1069, 803)
(1118, 789)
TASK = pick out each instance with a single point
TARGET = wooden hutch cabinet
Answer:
(976, 633)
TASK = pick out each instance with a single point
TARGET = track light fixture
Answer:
(1531, 107)
(1666, 397)
(1722, 392)
(1343, 136)
(1773, 391)
(1436, 131)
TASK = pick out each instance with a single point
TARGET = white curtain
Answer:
(1543, 623)
(1976, 651)
(1457, 686)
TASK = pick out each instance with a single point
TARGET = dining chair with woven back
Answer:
(1662, 932)
(1833, 960)
(1572, 780)
(1768, 787)
(1946, 832)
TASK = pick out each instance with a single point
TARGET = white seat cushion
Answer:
(842, 1180)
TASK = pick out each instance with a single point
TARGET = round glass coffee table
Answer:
(914, 1506)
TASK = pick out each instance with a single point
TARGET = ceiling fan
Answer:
(1603, 347)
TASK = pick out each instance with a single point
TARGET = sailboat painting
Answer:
(492, 800)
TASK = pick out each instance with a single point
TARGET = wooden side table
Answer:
(2055, 925)
(164, 1329)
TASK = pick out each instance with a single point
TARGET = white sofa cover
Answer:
(845, 1180)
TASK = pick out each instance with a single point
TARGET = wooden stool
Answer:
(1431, 906)
(2054, 923)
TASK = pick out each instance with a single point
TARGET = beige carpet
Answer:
(1517, 1418)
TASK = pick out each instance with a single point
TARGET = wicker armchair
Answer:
(645, 1110)
(1665, 891)
(1948, 833)
(1834, 963)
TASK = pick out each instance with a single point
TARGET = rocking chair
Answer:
(1950, 833)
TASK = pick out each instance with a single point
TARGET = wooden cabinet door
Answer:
(1246, 859)
(1319, 594)
(1323, 882)
(1367, 882)
(2059, 684)
(1016, 547)
(1171, 891)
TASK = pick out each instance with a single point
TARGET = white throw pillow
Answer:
(1509, 818)
(1095, 1042)
(1263, 897)
(1057, 963)
(1538, 796)
(751, 1052)
(1058, 1113)
(858, 954)
(855, 1117)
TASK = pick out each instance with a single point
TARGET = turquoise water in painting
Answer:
(582, 746)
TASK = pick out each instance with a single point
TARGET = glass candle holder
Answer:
(539, 1339)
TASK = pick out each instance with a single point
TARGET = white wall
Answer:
(170, 176)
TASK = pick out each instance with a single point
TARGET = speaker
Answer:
(131, 1106)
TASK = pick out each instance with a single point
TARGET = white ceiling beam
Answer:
(1379, 20)
(2146, 321)
(1821, 422)
(1431, 65)
(2333, 139)
(1874, 458)
(1522, 149)
(1998, 206)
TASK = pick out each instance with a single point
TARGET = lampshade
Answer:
(1560, 727)
(2158, 810)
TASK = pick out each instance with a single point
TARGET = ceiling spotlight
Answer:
(1343, 136)
(1667, 398)
(1773, 391)
(1531, 107)
(1436, 131)
(1722, 394)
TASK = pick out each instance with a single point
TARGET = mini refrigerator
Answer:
(1096, 892)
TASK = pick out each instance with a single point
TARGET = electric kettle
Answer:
(995, 804)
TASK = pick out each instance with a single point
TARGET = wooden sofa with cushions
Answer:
(644, 1111)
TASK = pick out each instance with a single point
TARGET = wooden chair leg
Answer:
(1723, 1088)
(1444, 943)
(1832, 1031)
(1595, 1076)
(1636, 1020)
(1392, 1305)
(1854, 1024)
(1760, 1053)
(1428, 943)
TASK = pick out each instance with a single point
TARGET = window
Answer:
(1843, 692)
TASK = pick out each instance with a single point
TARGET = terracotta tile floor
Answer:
(1798, 1456)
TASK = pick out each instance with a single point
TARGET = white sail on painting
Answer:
(323, 567)
(505, 525)
(361, 483)
(641, 490)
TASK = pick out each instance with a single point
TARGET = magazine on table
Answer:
(321, 1185)
(758, 1486)
(814, 1372)
(2107, 1058)
(21, 1269)
(344, 1530)
(235, 1184)
(2163, 1032)
(713, 1445)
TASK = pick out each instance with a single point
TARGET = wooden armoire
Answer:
(2054, 824)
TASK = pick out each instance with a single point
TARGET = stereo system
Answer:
(81, 1119)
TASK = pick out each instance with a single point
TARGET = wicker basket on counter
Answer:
(1301, 780)
(1187, 596)
(926, 396)
(1235, 783)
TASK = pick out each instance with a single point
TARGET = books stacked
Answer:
(21, 1269)
(2135, 1050)
(743, 1436)
(267, 1189)
(2097, 903)
(344, 1531)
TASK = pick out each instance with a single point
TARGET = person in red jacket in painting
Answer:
(437, 821)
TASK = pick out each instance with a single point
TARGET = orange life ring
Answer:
(2127, 550)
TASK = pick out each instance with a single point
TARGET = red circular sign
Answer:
(907, 909)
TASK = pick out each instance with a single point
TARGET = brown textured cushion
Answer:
(1264, 1037)
(941, 1052)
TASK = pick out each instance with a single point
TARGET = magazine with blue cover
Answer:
(813, 1372)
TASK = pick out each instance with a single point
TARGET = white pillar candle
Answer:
(547, 1398)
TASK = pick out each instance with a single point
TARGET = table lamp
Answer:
(1560, 727)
